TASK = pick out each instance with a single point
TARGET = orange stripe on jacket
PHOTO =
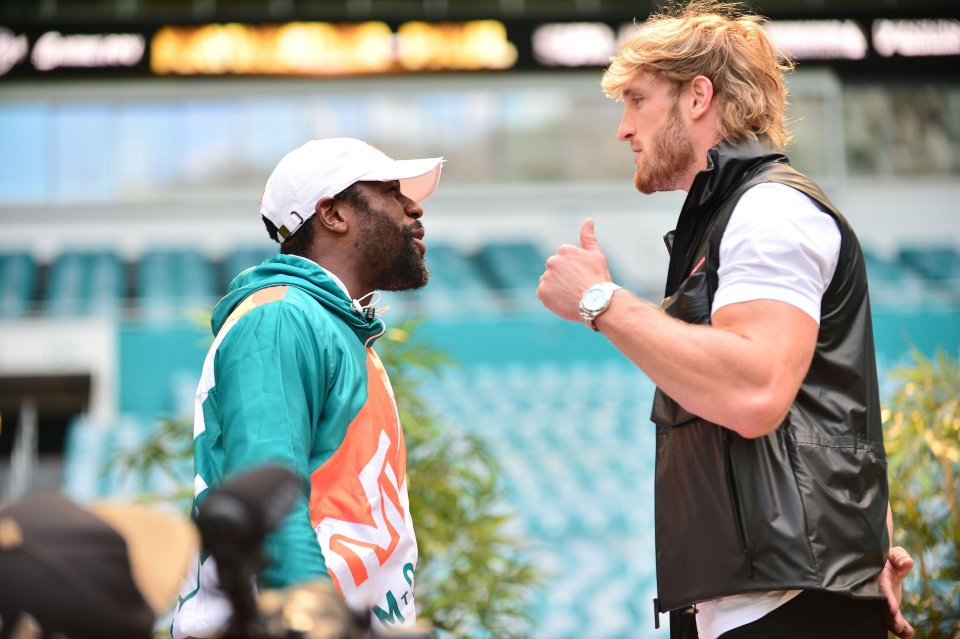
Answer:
(347, 501)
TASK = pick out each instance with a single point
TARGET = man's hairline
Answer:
(623, 92)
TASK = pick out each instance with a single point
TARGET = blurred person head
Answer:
(690, 77)
(108, 570)
(349, 207)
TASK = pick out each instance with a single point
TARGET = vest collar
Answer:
(729, 165)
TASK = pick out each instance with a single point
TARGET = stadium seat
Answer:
(240, 259)
(82, 283)
(90, 472)
(578, 470)
(171, 282)
(884, 271)
(512, 265)
(456, 285)
(107, 282)
(65, 287)
(17, 278)
(938, 264)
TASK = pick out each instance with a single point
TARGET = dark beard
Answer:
(672, 154)
(408, 270)
(389, 253)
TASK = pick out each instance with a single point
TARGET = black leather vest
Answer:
(803, 507)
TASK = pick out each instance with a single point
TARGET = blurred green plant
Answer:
(474, 578)
(167, 451)
(922, 427)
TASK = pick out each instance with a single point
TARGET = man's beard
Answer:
(389, 252)
(669, 158)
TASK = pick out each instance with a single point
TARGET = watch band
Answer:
(589, 313)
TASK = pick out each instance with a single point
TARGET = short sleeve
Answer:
(778, 245)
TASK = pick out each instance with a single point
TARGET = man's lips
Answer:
(417, 237)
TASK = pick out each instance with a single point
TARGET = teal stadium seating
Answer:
(85, 283)
(18, 274)
(938, 264)
(240, 259)
(90, 471)
(514, 266)
(172, 281)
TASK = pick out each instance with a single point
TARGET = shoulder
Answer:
(291, 316)
(778, 245)
(781, 215)
(773, 203)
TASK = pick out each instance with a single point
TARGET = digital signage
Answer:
(326, 49)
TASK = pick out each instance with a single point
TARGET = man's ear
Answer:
(701, 96)
(330, 214)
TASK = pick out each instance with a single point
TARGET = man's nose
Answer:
(626, 130)
(413, 209)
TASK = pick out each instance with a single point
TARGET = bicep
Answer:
(781, 337)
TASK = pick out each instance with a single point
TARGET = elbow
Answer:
(759, 415)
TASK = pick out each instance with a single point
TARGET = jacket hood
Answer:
(301, 273)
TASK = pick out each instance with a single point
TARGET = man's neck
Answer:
(702, 163)
(337, 274)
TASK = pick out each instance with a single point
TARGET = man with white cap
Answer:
(292, 379)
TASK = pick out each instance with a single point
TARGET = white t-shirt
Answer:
(777, 246)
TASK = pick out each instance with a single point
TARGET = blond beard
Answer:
(671, 156)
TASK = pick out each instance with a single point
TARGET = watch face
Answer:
(594, 299)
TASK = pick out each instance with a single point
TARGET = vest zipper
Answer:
(735, 500)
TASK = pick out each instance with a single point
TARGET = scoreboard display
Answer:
(910, 45)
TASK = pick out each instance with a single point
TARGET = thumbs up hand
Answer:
(588, 236)
(571, 271)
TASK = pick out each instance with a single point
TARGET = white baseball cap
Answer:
(324, 168)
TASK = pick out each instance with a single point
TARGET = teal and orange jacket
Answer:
(292, 379)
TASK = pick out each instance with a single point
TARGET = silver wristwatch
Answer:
(595, 301)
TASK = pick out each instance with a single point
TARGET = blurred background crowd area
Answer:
(136, 136)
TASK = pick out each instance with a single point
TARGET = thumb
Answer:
(588, 237)
(901, 560)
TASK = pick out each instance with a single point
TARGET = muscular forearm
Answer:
(742, 371)
(722, 374)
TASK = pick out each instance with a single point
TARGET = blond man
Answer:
(771, 489)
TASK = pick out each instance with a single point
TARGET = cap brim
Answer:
(99, 571)
(159, 547)
(418, 178)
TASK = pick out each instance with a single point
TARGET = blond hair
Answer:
(720, 41)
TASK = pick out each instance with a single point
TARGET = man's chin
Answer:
(411, 283)
(643, 185)
(404, 286)
(659, 184)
